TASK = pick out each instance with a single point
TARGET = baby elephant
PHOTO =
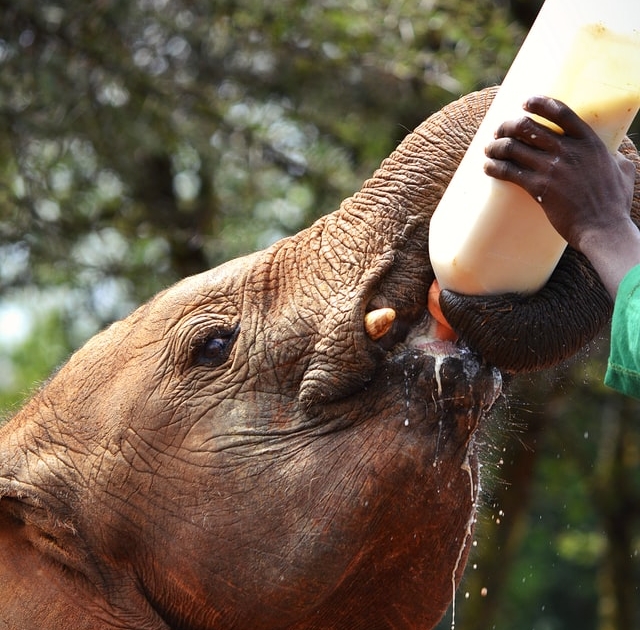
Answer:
(278, 443)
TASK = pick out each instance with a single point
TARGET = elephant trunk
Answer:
(521, 333)
(372, 254)
(528, 333)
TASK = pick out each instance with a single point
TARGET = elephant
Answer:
(281, 442)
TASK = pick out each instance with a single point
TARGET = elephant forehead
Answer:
(219, 289)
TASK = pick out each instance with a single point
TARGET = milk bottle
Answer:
(489, 236)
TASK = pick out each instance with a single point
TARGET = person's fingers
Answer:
(522, 154)
(527, 178)
(560, 114)
(530, 132)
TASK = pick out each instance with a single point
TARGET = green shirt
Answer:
(623, 370)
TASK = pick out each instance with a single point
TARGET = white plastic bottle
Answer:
(488, 236)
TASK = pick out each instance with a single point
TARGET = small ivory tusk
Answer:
(378, 323)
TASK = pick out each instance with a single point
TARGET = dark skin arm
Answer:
(585, 191)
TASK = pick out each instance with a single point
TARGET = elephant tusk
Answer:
(378, 323)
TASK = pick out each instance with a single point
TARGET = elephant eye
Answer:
(213, 349)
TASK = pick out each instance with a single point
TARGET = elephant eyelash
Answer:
(213, 348)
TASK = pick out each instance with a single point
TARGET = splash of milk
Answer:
(466, 467)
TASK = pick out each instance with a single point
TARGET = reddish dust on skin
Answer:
(442, 330)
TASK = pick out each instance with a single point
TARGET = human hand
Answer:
(585, 191)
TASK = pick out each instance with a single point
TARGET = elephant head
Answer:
(279, 442)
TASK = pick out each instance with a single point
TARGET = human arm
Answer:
(585, 191)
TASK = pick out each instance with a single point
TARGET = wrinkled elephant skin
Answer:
(173, 469)
(240, 453)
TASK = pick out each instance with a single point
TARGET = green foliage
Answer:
(179, 121)
(573, 530)
(23, 366)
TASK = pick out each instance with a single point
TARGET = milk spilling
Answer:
(489, 236)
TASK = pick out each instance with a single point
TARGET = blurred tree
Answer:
(144, 141)
(559, 540)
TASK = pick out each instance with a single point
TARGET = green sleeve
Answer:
(623, 370)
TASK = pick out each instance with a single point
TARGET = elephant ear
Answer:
(520, 333)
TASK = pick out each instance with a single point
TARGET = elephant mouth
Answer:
(484, 380)
(416, 333)
(414, 327)
(421, 323)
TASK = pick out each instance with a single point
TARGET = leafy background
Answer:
(145, 140)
